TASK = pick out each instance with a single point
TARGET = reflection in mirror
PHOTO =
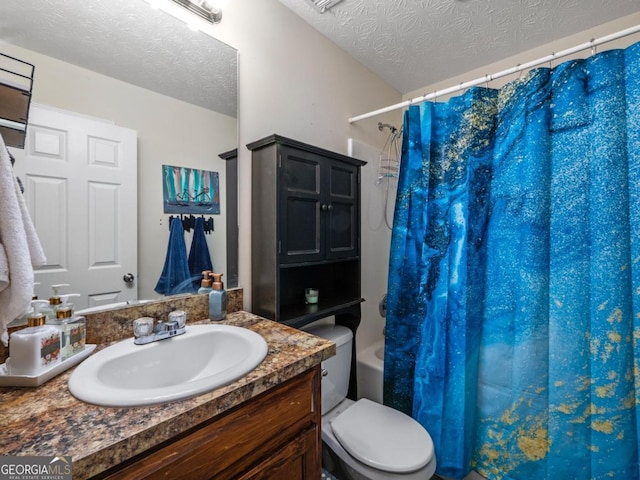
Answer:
(119, 64)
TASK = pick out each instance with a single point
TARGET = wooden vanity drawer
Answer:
(237, 442)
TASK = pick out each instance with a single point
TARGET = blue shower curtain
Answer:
(514, 282)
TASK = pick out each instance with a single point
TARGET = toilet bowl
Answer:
(370, 440)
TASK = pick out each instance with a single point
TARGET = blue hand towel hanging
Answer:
(175, 277)
(199, 258)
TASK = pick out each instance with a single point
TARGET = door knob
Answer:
(128, 278)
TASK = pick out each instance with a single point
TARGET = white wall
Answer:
(296, 83)
(378, 201)
(170, 132)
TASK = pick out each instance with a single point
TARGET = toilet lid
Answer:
(382, 437)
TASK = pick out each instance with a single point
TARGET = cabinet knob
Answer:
(330, 207)
(323, 207)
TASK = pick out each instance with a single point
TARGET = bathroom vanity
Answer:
(253, 440)
(265, 425)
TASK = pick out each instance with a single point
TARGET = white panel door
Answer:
(80, 177)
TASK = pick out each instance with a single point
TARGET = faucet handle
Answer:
(178, 316)
(142, 327)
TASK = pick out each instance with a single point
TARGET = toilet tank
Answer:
(335, 383)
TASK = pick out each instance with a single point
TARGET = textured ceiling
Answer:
(127, 40)
(408, 43)
(415, 43)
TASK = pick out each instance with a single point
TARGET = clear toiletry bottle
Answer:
(35, 348)
(206, 282)
(50, 310)
(72, 327)
(217, 298)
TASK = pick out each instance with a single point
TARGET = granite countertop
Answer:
(48, 420)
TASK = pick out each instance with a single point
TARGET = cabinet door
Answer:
(341, 210)
(301, 223)
(297, 460)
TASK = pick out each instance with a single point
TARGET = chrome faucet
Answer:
(147, 330)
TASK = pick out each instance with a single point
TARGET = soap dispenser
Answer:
(72, 327)
(206, 282)
(217, 298)
(54, 301)
(35, 348)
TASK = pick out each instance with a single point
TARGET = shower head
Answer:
(382, 126)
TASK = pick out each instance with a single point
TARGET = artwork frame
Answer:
(190, 190)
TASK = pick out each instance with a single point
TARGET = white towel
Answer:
(4, 269)
(21, 245)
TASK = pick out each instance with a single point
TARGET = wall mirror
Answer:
(143, 70)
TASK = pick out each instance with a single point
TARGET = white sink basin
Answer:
(204, 358)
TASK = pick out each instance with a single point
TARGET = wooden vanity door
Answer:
(297, 460)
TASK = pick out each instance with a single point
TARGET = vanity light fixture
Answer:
(197, 14)
(323, 5)
(203, 8)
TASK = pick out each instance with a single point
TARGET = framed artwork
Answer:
(190, 190)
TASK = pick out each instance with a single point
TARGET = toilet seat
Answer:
(382, 437)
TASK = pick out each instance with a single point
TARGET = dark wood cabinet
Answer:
(233, 230)
(305, 231)
(318, 207)
(275, 435)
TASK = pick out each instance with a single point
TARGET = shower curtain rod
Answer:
(594, 42)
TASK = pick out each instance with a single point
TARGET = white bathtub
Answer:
(370, 364)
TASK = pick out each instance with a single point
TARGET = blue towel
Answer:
(175, 277)
(199, 259)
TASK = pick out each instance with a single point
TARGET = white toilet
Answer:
(372, 441)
